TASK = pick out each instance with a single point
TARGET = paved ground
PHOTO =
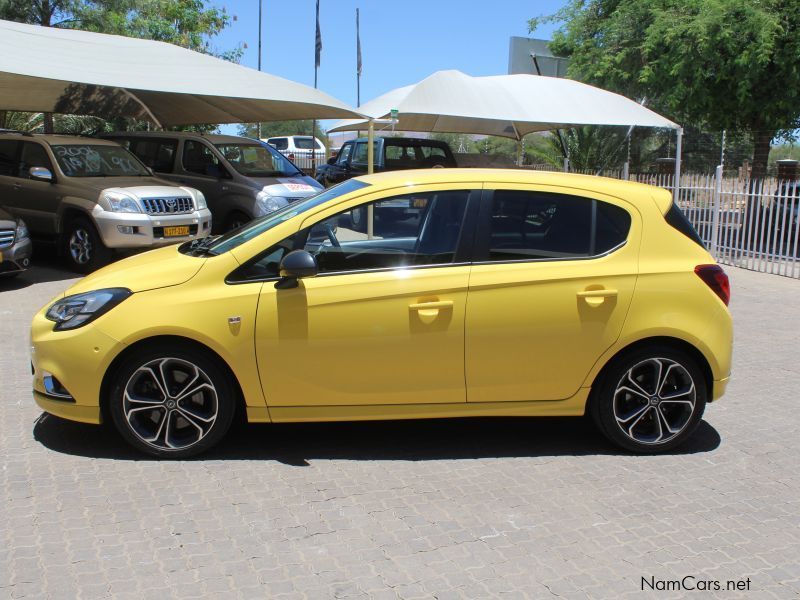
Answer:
(482, 508)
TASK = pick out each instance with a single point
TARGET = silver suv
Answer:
(15, 245)
(241, 178)
(93, 196)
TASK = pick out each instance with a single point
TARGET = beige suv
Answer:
(93, 196)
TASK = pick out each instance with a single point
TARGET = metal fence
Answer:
(748, 223)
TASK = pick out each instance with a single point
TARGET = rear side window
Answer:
(279, 143)
(8, 157)
(305, 143)
(157, 154)
(536, 225)
(678, 220)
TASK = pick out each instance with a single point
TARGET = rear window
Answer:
(678, 220)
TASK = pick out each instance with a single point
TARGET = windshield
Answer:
(95, 160)
(257, 160)
(256, 227)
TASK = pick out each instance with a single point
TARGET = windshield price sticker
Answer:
(296, 186)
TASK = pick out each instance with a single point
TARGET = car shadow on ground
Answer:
(414, 440)
(46, 266)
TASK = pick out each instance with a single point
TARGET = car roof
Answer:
(55, 139)
(606, 185)
(214, 138)
(401, 140)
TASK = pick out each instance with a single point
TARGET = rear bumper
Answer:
(148, 231)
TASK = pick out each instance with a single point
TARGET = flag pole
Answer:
(317, 53)
(358, 62)
(260, 2)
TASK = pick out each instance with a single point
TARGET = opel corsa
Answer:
(498, 293)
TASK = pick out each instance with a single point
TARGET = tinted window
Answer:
(304, 143)
(344, 154)
(360, 154)
(678, 220)
(33, 155)
(8, 157)
(408, 230)
(279, 143)
(532, 225)
(402, 157)
(157, 154)
(198, 158)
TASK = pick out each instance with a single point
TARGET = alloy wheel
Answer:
(80, 246)
(170, 403)
(654, 400)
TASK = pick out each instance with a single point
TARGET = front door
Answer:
(35, 201)
(202, 169)
(383, 322)
(548, 294)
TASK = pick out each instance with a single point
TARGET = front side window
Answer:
(33, 155)
(257, 160)
(537, 225)
(95, 160)
(408, 230)
(344, 154)
(199, 158)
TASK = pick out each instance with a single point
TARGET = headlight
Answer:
(117, 202)
(78, 310)
(200, 200)
(22, 231)
(266, 204)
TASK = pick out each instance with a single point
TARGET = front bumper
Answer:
(77, 359)
(16, 257)
(720, 385)
(138, 230)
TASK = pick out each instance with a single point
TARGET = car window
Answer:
(344, 154)
(158, 154)
(33, 155)
(305, 143)
(360, 154)
(402, 156)
(537, 225)
(408, 230)
(280, 143)
(429, 151)
(198, 158)
(8, 157)
(96, 160)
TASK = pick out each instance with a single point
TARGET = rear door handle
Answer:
(430, 309)
(596, 297)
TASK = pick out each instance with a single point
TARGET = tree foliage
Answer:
(718, 64)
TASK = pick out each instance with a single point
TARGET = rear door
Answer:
(553, 277)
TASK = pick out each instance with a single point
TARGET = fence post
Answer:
(626, 171)
(715, 215)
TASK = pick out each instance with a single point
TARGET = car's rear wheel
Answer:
(83, 248)
(172, 401)
(650, 400)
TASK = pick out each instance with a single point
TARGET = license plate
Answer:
(176, 231)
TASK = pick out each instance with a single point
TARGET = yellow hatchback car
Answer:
(414, 294)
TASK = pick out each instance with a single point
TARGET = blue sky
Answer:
(401, 41)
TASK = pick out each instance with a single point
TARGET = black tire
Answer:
(82, 247)
(236, 219)
(358, 219)
(176, 427)
(627, 407)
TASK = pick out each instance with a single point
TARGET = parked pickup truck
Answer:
(391, 154)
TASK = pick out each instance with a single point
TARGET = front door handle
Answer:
(596, 297)
(430, 309)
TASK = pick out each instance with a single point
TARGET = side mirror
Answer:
(40, 174)
(296, 265)
(332, 160)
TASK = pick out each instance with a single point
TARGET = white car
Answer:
(298, 149)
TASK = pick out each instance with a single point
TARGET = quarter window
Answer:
(538, 225)
(408, 230)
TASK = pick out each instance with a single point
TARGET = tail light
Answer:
(715, 278)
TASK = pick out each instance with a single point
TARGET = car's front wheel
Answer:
(83, 248)
(650, 400)
(171, 401)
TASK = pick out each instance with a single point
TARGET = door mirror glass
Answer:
(296, 265)
(40, 174)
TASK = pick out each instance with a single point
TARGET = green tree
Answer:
(717, 64)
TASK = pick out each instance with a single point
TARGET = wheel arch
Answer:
(660, 342)
(189, 343)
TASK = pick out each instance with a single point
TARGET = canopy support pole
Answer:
(150, 114)
(370, 170)
(678, 151)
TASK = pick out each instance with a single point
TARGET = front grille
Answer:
(167, 206)
(6, 237)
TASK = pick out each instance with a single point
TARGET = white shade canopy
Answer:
(45, 69)
(503, 105)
